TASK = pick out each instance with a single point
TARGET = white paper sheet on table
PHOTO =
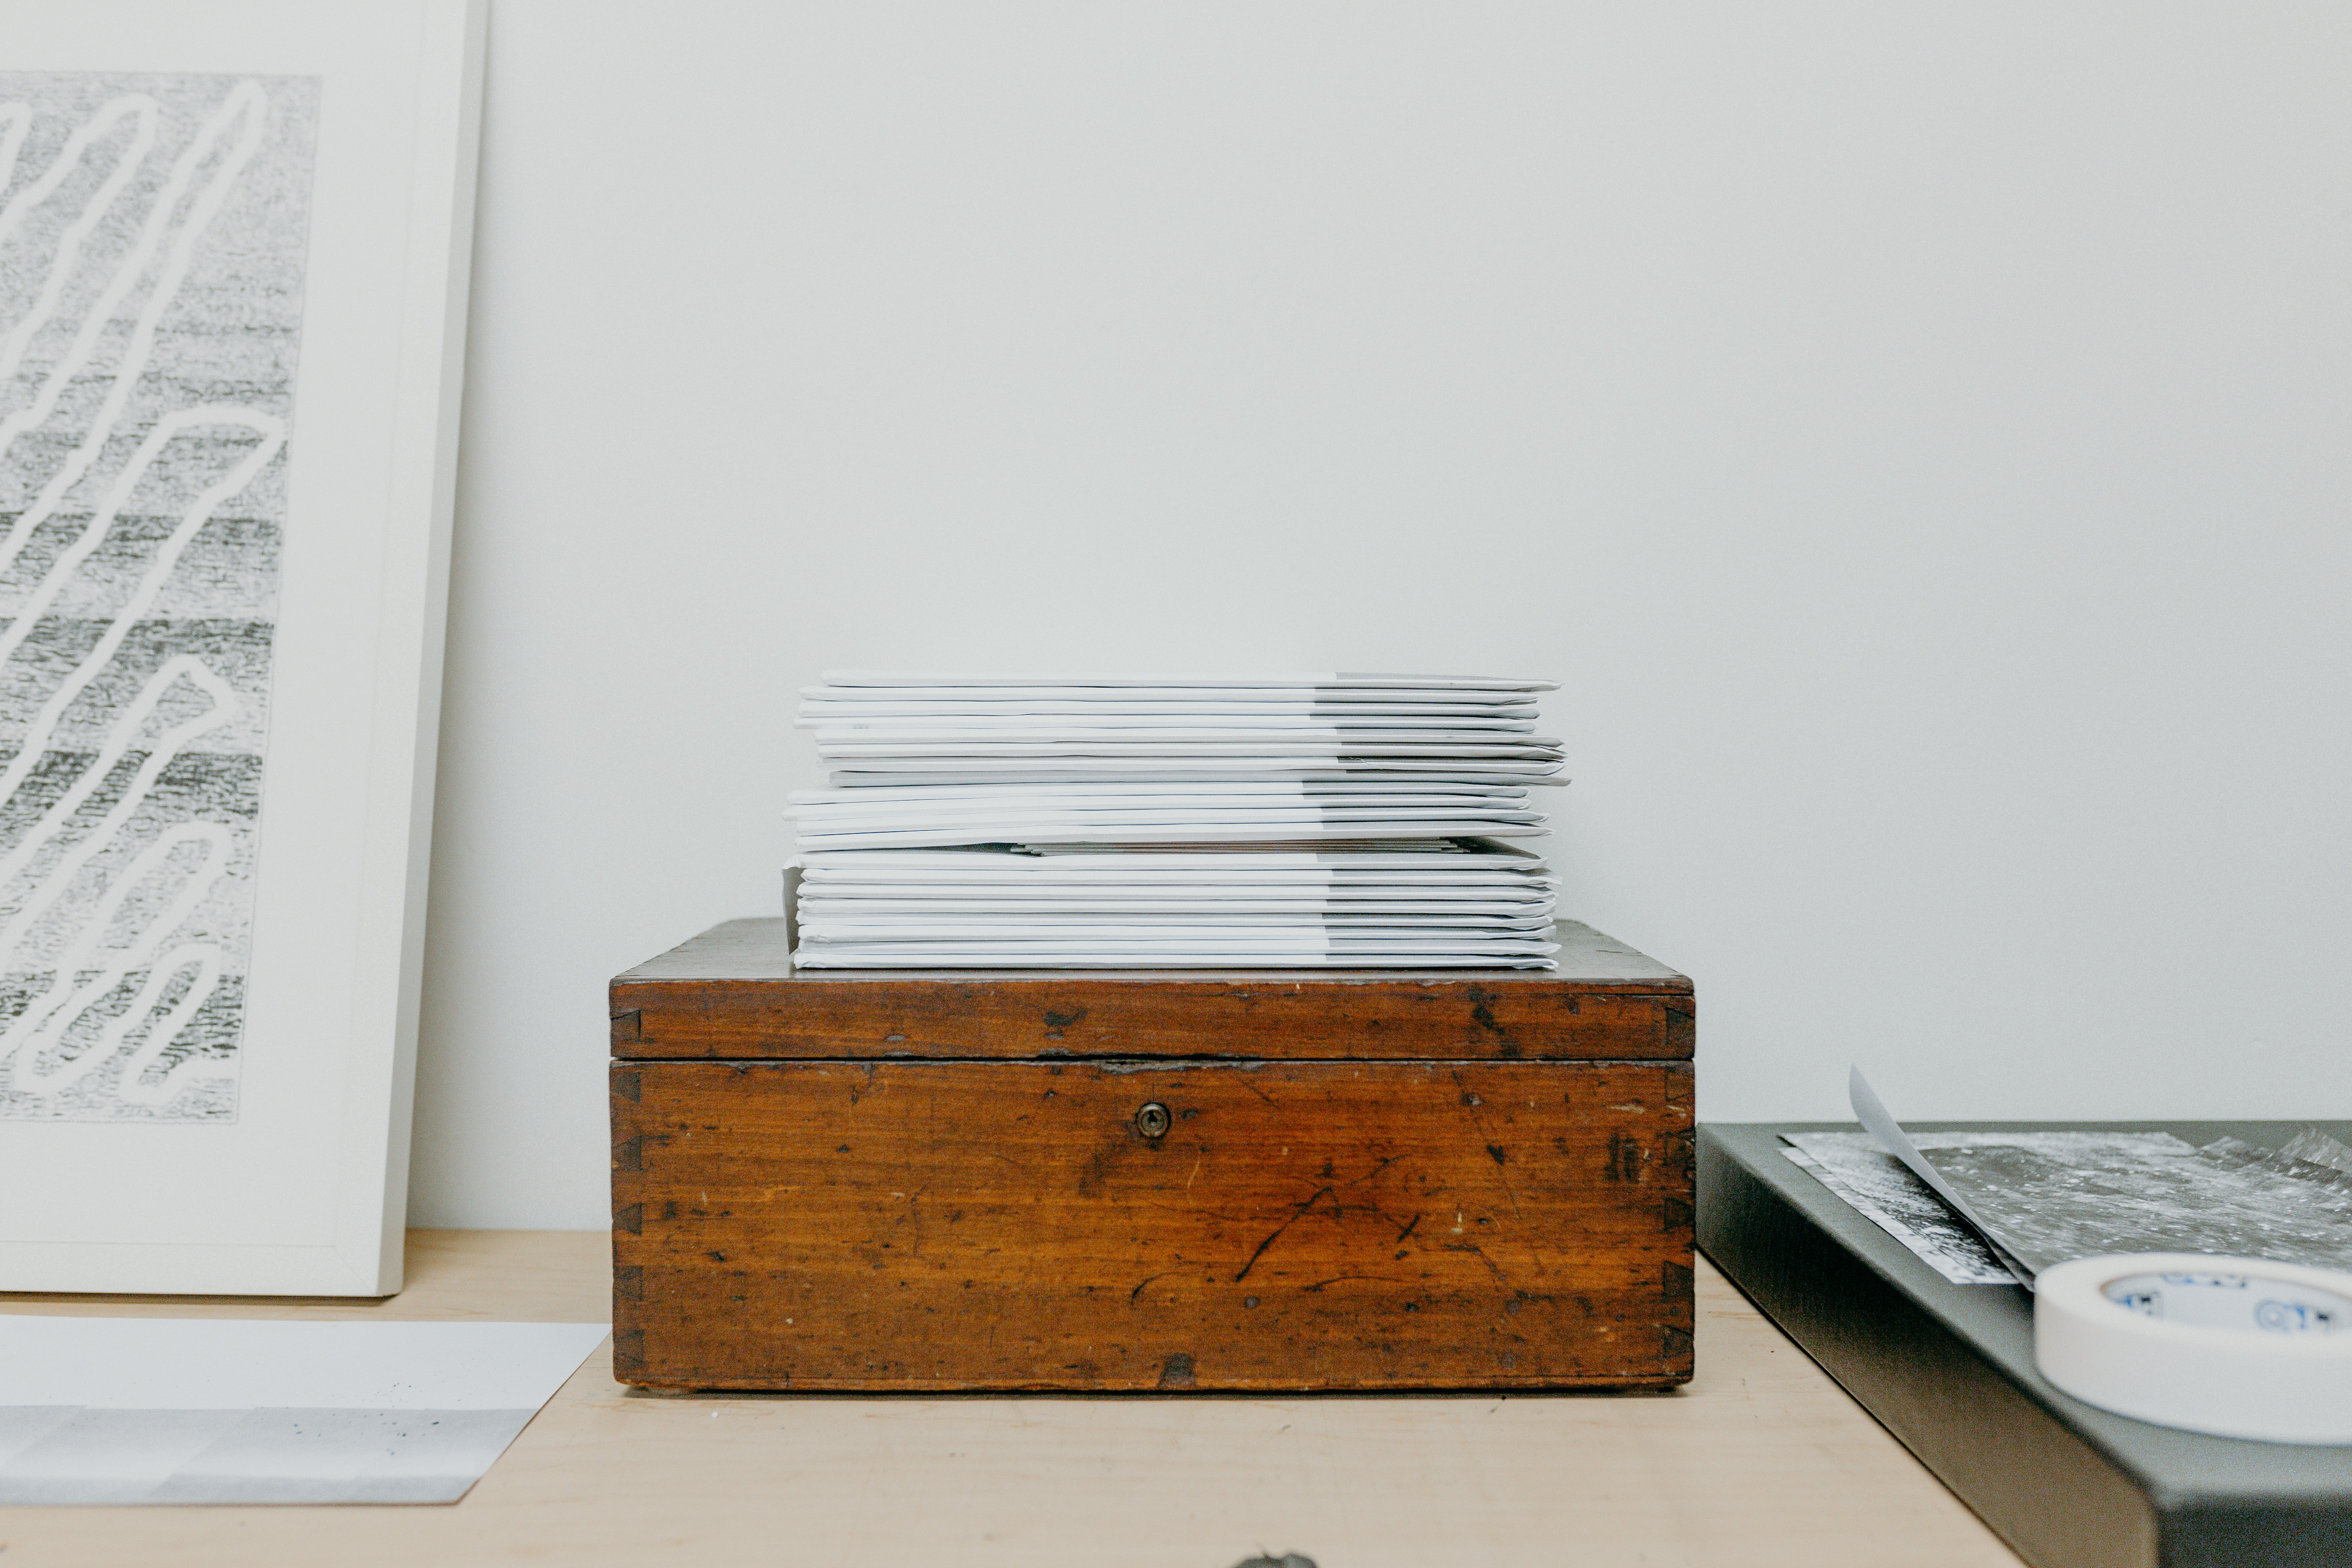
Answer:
(823, 874)
(1053, 859)
(968, 800)
(1296, 750)
(1005, 914)
(1195, 887)
(914, 739)
(1080, 932)
(833, 814)
(1079, 927)
(941, 956)
(1314, 682)
(1157, 788)
(851, 702)
(885, 771)
(174, 1410)
(1097, 832)
(850, 719)
(1197, 794)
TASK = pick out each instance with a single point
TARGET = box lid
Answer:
(733, 993)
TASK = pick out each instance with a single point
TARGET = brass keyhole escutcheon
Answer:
(1152, 1121)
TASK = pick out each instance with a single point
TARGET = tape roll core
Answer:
(2240, 1347)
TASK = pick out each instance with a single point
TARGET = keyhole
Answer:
(1152, 1121)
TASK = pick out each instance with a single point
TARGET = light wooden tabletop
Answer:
(1763, 1462)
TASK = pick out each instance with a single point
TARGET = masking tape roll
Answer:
(2236, 1346)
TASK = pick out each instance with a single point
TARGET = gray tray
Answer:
(1949, 1370)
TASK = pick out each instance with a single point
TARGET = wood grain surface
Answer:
(1006, 1225)
(1759, 1462)
(732, 994)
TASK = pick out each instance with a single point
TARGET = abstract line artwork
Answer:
(152, 231)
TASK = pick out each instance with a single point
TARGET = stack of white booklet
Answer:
(1298, 821)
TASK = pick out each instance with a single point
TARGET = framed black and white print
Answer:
(232, 246)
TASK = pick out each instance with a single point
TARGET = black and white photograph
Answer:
(2050, 1196)
(1878, 1184)
(234, 251)
(153, 234)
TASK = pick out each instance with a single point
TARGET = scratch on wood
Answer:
(1318, 1195)
(1336, 1279)
(1474, 1246)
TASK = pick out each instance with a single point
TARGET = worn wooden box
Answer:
(1171, 1179)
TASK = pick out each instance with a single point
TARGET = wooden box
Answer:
(1171, 1179)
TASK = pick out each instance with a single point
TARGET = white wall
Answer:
(1916, 434)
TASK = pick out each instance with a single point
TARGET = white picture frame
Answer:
(308, 168)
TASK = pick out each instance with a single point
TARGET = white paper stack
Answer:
(1297, 821)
